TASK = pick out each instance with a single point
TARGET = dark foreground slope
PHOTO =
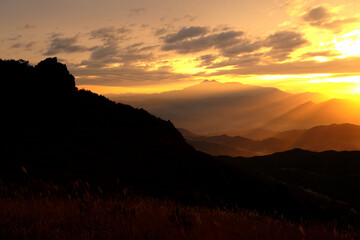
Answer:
(55, 132)
(57, 135)
(331, 176)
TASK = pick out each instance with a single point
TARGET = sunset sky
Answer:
(145, 46)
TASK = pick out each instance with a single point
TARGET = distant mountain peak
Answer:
(209, 81)
(215, 82)
(221, 83)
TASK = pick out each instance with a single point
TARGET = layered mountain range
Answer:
(340, 137)
(213, 108)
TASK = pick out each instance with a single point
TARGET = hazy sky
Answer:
(155, 45)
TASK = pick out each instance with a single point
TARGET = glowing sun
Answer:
(349, 43)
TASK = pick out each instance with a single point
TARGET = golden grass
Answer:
(145, 218)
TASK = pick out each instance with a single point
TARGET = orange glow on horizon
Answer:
(133, 90)
(329, 85)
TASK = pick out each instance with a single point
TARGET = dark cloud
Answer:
(131, 57)
(113, 53)
(184, 47)
(135, 45)
(161, 31)
(222, 28)
(29, 45)
(317, 14)
(110, 52)
(97, 63)
(218, 40)
(244, 46)
(283, 43)
(232, 44)
(238, 61)
(320, 17)
(16, 45)
(285, 40)
(148, 48)
(105, 51)
(206, 60)
(209, 61)
(225, 39)
(245, 65)
(189, 17)
(109, 34)
(133, 54)
(55, 35)
(66, 45)
(127, 76)
(185, 33)
(137, 11)
(14, 38)
(28, 26)
(321, 54)
(337, 24)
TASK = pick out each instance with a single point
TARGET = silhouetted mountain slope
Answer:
(340, 137)
(234, 146)
(216, 149)
(83, 119)
(219, 145)
(255, 134)
(83, 135)
(212, 107)
(80, 136)
(332, 176)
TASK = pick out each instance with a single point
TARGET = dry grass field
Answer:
(146, 218)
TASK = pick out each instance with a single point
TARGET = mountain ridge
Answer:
(339, 137)
(230, 106)
(312, 114)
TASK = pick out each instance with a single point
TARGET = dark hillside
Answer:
(55, 134)
(332, 176)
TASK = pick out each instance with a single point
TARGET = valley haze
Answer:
(212, 108)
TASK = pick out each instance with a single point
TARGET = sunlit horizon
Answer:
(151, 47)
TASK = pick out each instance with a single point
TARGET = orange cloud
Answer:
(321, 17)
